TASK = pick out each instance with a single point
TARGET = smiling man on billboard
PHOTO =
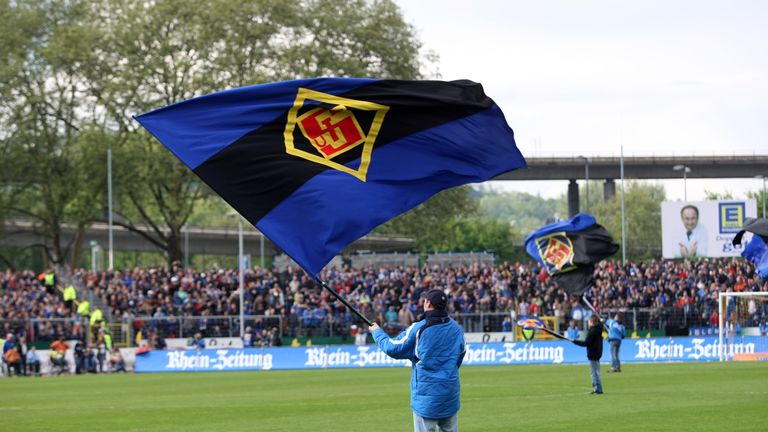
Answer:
(694, 241)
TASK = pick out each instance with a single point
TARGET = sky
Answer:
(665, 78)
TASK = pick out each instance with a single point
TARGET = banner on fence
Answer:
(489, 337)
(498, 353)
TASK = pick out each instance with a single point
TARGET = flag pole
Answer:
(555, 334)
(594, 311)
(341, 299)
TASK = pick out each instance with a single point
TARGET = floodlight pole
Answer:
(186, 246)
(623, 216)
(685, 169)
(241, 273)
(109, 208)
(261, 250)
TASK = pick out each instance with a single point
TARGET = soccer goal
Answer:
(743, 325)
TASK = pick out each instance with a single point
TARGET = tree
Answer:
(431, 223)
(523, 211)
(643, 218)
(151, 54)
(47, 123)
(352, 38)
(715, 196)
(478, 234)
(759, 197)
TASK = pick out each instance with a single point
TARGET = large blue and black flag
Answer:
(569, 250)
(757, 249)
(316, 164)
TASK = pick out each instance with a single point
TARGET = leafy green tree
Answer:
(431, 223)
(47, 123)
(72, 73)
(477, 234)
(642, 203)
(352, 38)
(716, 196)
(151, 54)
(759, 197)
(522, 211)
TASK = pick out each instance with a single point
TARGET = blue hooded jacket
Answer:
(435, 346)
(616, 330)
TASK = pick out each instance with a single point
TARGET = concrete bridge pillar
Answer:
(609, 189)
(573, 197)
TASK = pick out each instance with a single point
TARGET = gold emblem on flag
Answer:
(556, 250)
(333, 131)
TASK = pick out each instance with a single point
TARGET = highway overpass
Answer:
(223, 241)
(608, 169)
(195, 240)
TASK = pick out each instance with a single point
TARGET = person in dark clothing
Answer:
(79, 357)
(594, 344)
(275, 340)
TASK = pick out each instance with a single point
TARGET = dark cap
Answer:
(437, 298)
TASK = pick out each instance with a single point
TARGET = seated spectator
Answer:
(116, 361)
(275, 340)
(506, 325)
(57, 356)
(33, 362)
(59, 363)
(90, 360)
(12, 360)
(158, 342)
(361, 336)
(248, 338)
(197, 342)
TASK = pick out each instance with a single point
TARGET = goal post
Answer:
(735, 317)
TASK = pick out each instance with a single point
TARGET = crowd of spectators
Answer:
(153, 299)
(31, 303)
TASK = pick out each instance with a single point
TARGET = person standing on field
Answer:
(616, 333)
(435, 346)
(594, 344)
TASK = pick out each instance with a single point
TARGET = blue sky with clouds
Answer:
(585, 77)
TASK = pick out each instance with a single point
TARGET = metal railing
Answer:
(45, 330)
(461, 258)
(644, 319)
(208, 326)
(124, 332)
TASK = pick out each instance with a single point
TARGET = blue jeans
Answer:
(449, 424)
(594, 370)
(615, 346)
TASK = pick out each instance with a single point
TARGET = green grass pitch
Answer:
(645, 397)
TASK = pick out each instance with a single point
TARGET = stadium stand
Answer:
(178, 302)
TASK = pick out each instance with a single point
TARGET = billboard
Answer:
(703, 228)
(649, 350)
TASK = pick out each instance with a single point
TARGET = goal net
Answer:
(743, 325)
